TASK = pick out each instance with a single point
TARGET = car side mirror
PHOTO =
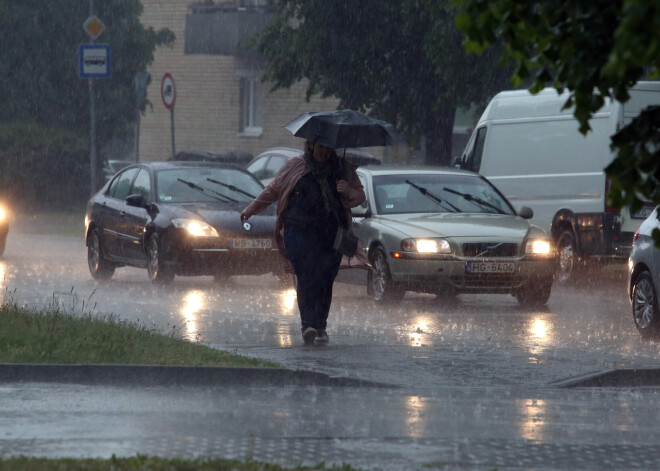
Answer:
(135, 200)
(525, 212)
(361, 211)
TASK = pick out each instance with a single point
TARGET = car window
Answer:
(257, 166)
(472, 158)
(275, 163)
(424, 193)
(366, 201)
(121, 184)
(142, 184)
(202, 184)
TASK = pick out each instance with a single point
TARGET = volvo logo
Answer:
(247, 226)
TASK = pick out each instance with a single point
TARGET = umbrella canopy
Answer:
(344, 128)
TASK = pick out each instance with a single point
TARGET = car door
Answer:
(135, 219)
(360, 223)
(113, 212)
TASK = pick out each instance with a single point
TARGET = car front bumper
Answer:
(434, 273)
(215, 256)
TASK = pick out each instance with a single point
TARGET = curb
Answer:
(155, 375)
(617, 378)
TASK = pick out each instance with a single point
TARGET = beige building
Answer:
(221, 104)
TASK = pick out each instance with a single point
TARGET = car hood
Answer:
(226, 217)
(458, 225)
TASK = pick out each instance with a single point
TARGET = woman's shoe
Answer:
(308, 335)
(322, 336)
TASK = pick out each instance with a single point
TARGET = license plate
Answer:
(250, 243)
(642, 213)
(490, 267)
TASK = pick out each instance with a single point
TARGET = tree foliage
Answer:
(39, 63)
(398, 60)
(595, 49)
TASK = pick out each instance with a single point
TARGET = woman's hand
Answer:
(342, 187)
(244, 216)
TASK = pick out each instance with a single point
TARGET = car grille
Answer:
(489, 249)
(487, 280)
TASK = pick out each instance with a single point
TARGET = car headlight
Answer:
(537, 247)
(426, 245)
(195, 228)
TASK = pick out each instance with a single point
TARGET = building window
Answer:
(250, 119)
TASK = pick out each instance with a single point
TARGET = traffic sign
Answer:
(93, 27)
(168, 91)
(94, 60)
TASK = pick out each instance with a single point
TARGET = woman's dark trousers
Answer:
(316, 264)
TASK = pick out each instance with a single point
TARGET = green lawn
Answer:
(145, 463)
(53, 336)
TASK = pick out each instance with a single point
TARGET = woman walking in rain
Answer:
(314, 193)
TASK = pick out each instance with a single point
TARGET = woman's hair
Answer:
(309, 147)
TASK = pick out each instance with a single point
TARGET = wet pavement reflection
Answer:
(474, 375)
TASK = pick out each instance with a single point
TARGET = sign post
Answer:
(168, 94)
(94, 62)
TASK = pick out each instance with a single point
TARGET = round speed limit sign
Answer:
(168, 91)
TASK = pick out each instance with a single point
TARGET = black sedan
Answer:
(180, 218)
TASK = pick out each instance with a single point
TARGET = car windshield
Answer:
(202, 184)
(441, 193)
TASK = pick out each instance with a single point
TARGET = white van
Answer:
(533, 152)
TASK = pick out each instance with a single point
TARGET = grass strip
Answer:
(145, 463)
(53, 336)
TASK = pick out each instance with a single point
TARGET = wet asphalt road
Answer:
(474, 377)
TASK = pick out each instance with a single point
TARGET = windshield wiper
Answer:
(432, 197)
(475, 199)
(232, 188)
(219, 197)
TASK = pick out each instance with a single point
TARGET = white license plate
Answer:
(490, 267)
(250, 243)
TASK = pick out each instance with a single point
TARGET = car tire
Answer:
(568, 259)
(379, 279)
(158, 272)
(534, 294)
(99, 267)
(645, 306)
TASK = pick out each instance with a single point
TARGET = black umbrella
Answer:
(344, 128)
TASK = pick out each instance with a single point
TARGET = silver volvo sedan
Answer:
(447, 231)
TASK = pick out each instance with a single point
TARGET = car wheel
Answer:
(382, 287)
(568, 258)
(534, 293)
(645, 306)
(158, 272)
(99, 267)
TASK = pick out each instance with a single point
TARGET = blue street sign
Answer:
(94, 60)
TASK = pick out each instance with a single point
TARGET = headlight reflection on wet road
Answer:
(419, 332)
(416, 421)
(532, 424)
(288, 298)
(193, 303)
(540, 333)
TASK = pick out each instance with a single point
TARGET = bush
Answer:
(43, 166)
